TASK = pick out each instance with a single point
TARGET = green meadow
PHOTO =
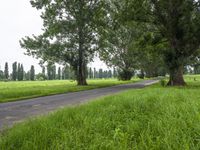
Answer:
(12, 91)
(156, 118)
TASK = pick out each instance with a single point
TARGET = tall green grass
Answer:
(156, 117)
(12, 91)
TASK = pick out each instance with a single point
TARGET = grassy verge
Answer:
(150, 118)
(12, 91)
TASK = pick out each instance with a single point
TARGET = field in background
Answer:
(152, 118)
(12, 91)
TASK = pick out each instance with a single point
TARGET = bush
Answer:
(141, 76)
(40, 77)
(163, 82)
(125, 75)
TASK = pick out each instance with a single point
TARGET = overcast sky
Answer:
(19, 19)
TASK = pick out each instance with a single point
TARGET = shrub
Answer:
(162, 82)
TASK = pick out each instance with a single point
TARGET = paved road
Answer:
(13, 112)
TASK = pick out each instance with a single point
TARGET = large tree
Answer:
(116, 40)
(69, 33)
(117, 50)
(177, 23)
(149, 55)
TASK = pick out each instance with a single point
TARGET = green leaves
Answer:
(39, 4)
(70, 32)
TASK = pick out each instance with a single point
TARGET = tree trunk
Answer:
(176, 77)
(81, 76)
(81, 73)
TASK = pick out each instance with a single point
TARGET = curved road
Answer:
(13, 112)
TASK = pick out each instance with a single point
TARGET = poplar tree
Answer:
(6, 71)
(54, 72)
(114, 72)
(59, 73)
(100, 73)
(109, 74)
(14, 71)
(18, 71)
(90, 73)
(50, 71)
(21, 72)
(32, 73)
(1, 75)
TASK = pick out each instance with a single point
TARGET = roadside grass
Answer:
(152, 118)
(13, 91)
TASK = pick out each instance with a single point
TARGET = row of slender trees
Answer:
(49, 72)
(153, 36)
(17, 73)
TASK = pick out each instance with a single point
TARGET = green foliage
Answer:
(141, 74)
(130, 45)
(14, 71)
(115, 73)
(149, 55)
(68, 73)
(43, 70)
(51, 71)
(27, 76)
(196, 69)
(125, 75)
(91, 73)
(176, 23)
(117, 38)
(20, 72)
(1, 75)
(100, 73)
(6, 71)
(136, 119)
(59, 73)
(32, 73)
(69, 36)
(40, 77)
(96, 74)
(163, 82)
(110, 75)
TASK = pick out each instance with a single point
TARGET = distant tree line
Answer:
(17, 73)
(50, 72)
(66, 72)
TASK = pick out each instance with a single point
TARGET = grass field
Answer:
(156, 117)
(12, 91)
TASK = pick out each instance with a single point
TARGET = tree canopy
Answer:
(154, 36)
(175, 22)
(69, 33)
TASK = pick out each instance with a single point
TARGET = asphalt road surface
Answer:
(13, 112)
